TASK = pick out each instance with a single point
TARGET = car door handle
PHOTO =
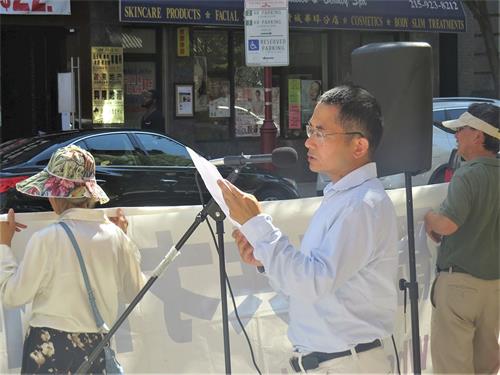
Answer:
(100, 181)
(168, 181)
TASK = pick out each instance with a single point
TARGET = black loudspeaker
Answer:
(399, 75)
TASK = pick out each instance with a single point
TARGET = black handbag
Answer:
(112, 364)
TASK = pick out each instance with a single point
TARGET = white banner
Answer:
(177, 328)
(35, 7)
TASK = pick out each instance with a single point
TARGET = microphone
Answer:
(281, 157)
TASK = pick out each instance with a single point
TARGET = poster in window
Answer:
(249, 110)
(218, 98)
(200, 83)
(309, 95)
(294, 114)
(139, 76)
(184, 100)
(107, 85)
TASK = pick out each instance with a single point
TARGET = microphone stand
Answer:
(213, 210)
(218, 216)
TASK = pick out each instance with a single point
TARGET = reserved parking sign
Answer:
(266, 33)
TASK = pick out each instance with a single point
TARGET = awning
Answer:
(393, 15)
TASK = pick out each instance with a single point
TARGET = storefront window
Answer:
(211, 85)
(139, 40)
(139, 77)
(304, 80)
(140, 70)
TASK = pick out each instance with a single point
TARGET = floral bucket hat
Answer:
(69, 174)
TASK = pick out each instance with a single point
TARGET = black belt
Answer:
(312, 360)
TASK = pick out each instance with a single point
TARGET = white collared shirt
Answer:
(50, 277)
(342, 283)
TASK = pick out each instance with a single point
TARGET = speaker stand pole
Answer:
(218, 216)
(412, 286)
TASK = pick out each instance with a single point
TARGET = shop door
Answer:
(30, 61)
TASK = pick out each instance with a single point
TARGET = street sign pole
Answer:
(268, 129)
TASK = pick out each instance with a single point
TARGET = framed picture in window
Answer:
(184, 103)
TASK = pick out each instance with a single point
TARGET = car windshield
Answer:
(24, 149)
(21, 150)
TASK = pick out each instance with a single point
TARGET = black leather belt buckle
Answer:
(309, 362)
(312, 360)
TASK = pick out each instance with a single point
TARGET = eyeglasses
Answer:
(320, 135)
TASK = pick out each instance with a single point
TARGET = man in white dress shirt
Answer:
(342, 282)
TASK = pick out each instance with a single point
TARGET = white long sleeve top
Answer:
(50, 277)
(342, 282)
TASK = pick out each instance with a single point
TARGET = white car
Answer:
(444, 159)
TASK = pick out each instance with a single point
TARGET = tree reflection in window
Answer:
(163, 151)
(210, 64)
(111, 150)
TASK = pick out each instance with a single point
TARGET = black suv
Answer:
(134, 167)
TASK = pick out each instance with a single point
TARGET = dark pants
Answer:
(50, 351)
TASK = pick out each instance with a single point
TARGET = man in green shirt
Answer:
(466, 293)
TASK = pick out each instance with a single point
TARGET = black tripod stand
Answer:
(213, 210)
(218, 216)
(412, 285)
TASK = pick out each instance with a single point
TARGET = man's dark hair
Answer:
(488, 113)
(359, 111)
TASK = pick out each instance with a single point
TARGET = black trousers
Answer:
(50, 351)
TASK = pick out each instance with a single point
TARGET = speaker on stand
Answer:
(399, 75)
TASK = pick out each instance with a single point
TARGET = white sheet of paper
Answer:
(210, 174)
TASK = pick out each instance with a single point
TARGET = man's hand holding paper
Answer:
(242, 206)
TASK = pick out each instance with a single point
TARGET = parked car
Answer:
(444, 157)
(134, 167)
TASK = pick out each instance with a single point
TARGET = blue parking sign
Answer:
(253, 44)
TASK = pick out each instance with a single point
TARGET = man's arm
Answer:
(437, 225)
(311, 275)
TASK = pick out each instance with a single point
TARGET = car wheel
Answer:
(272, 194)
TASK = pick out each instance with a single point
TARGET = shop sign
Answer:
(408, 15)
(266, 33)
(35, 7)
(394, 15)
(183, 41)
(107, 85)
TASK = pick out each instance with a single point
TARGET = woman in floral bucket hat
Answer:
(69, 174)
(62, 330)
